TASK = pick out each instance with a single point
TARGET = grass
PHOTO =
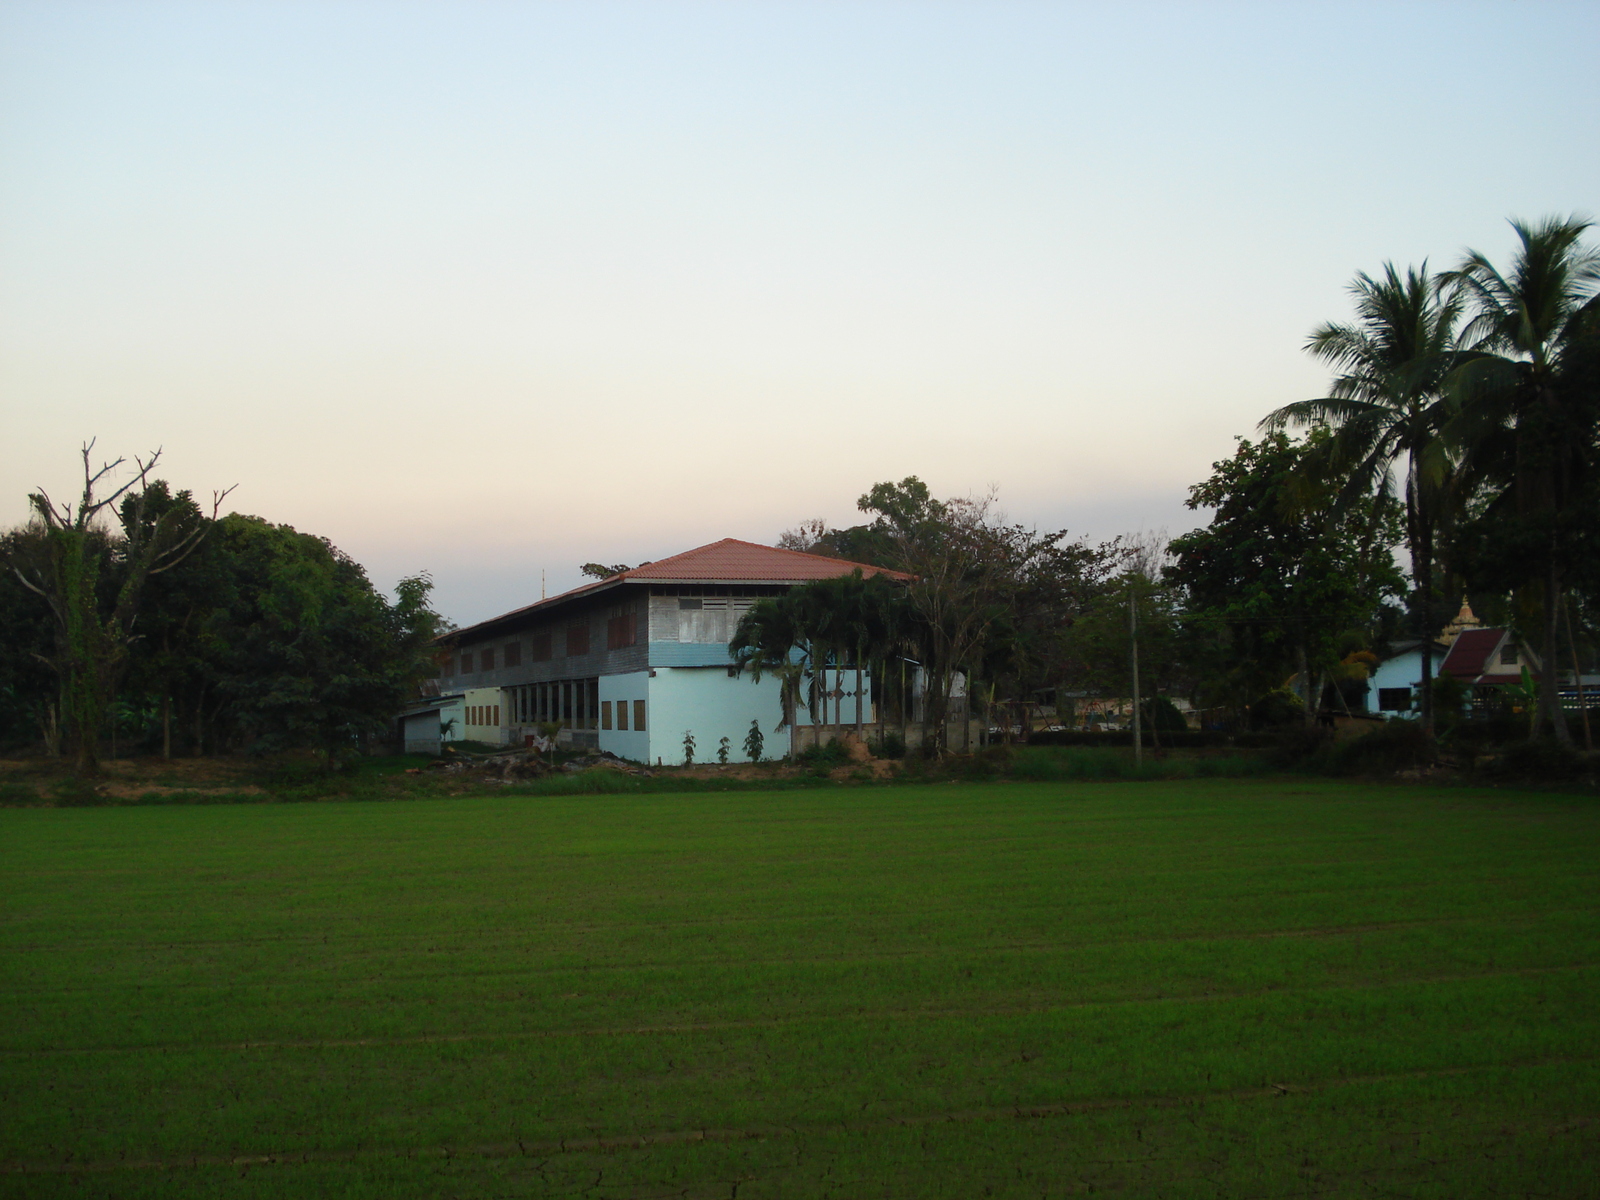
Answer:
(1190, 988)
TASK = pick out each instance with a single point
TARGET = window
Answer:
(686, 604)
(485, 660)
(1394, 699)
(622, 714)
(605, 714)
(1508, 655)
(621, 630)
(638, 715)
(513, 654)
(495, 714)
(466, 662)
(539, 647)
(577, 640)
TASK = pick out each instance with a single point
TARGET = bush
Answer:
(1162, 715)
(831, 754)
(1186, 739)
(890, 745)
(1543, 761)
(1302, 748)
(1394, 746)
(1278, 708)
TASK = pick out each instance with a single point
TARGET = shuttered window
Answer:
(513, 654)
(577, 640)
(638, 714)
(539, 647)
(622, 630)
(466, 662)
(485, 660)
(605, 714)
(622, 714)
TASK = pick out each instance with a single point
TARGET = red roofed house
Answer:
(629, 663)
(1488, 657)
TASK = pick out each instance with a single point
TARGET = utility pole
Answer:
(1133, 653)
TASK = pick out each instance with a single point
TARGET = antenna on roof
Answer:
(541, 583)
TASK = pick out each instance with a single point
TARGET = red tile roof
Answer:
(1470, 653)
(727, 561)
(733, 561)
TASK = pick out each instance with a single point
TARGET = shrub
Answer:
(1162, 715)
(890, 745)
(1397, 745)
(832, 754)
(1543, 761)
(1279, 707)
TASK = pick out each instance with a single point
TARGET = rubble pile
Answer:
(525, 763)
(512, 766)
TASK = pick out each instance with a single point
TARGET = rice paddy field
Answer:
(1198, 988)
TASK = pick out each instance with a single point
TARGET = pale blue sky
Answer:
(494, 288)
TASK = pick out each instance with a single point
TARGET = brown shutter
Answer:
(638, 715)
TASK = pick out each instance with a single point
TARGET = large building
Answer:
(627, 664)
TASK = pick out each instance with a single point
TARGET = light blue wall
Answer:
(845, 681)
(689, 654)
(713, 705)
(626, 689)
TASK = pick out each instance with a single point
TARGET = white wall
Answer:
(713, 705)
(478, 698)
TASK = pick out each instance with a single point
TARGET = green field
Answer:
(1199, 988)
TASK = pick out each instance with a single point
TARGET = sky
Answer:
(490, 290)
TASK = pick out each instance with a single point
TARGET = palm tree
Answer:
(766, 641)
(1526, 427)
(1388, 409)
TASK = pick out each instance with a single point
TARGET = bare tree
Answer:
(807, 536)
(92, 635)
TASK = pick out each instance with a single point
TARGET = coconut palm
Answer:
(1387, 408)
(1526, 425)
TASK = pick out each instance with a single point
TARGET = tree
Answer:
(305, 651)
(92, 581)
(1388, 411)
(167, 661)
(1528, 411)
(985, 595)
(601, 571)
(1134, 608)
(29, 688)
(1282, 570)
(769, 640)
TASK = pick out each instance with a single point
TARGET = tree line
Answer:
(1456, 452)
(135, 619)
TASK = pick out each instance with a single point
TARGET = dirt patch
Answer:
(132, 790)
